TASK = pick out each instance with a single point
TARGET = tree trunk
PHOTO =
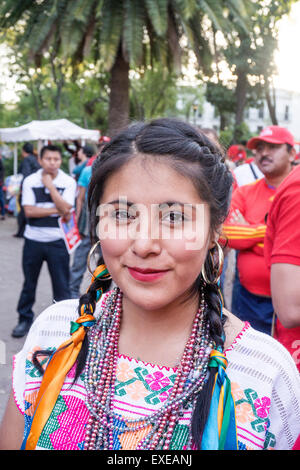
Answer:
(271, 105)
(118, 114)
(241, 94)
(223, 121)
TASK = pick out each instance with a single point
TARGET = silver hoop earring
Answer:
(91, 252)
(219, 269)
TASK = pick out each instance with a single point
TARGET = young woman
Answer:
(156, 362)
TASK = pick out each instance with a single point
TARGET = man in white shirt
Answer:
(47, 195)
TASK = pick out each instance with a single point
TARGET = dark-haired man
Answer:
(47, 194)
(245, 227)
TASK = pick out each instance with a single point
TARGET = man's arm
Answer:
(34, 211)
(282, 252)
(285, 288)
(62, 206)
(239, 233)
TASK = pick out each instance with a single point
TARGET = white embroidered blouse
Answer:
(265, 385)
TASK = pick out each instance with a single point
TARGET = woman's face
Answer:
(154, 231)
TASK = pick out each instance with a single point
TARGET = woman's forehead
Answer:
(152, 180)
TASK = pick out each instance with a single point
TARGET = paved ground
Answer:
(11, 280)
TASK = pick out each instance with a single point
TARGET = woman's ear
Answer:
(215, 236)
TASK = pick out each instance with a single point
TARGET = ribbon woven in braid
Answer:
(59, 364)
(220, 429)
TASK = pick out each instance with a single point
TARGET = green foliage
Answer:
(8, 166)
(56, 41)
(221, 96)
(249, 55)
(230, 134)
(153, 93)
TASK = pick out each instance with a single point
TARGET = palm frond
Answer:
(134, 29)
(158, 15)
(186, 8)
(111, 21)
(12, 11)
(199, 43)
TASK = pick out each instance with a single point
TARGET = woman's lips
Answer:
(146, 275)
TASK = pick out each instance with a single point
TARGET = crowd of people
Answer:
(46, 194)
(249, 229)
(152, 348)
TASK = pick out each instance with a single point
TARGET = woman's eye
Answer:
(174, 217)
(122, 215)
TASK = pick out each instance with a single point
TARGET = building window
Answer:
(261, 112)
(287, 113)
(259, 129)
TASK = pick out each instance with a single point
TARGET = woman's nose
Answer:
(145, 237)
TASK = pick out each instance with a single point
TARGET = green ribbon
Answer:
(74, 327)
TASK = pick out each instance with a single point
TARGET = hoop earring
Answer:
(218, 272)
(101, 270)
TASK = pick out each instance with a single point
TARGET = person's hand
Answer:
(66, 216)
(238, 218)
(47, 180)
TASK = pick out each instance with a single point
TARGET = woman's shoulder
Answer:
(255, 353)
(52, 326)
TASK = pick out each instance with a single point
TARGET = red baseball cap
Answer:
(104, 139)
(272, 135)
(236, 153)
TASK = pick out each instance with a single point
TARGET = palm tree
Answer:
(123, 34)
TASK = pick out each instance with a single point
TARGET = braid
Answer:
(213, 312)
(89, 299)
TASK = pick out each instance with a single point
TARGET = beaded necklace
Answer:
(100, 378)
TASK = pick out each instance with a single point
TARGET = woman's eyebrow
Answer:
(121, 201)
(176, 203)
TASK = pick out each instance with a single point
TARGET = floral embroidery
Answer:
(244, 413)
(157, 380)
(147, 386)
(237, 392)
(136, 390)
(124, 372)
(255, 410)
(262, 406)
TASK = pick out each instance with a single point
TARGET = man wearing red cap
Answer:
(282, 254)
(245, 226)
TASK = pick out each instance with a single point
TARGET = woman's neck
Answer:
(157, 336)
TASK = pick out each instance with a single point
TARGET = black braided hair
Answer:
(217, 319)
(89, 298)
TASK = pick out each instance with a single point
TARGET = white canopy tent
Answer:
(57, 130)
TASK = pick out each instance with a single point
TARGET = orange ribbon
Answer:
(59, 365)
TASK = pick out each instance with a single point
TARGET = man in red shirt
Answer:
(245, 226)
(282, 254)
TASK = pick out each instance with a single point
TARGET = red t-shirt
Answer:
(282, 245)
(91, 160)
(253, 201)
